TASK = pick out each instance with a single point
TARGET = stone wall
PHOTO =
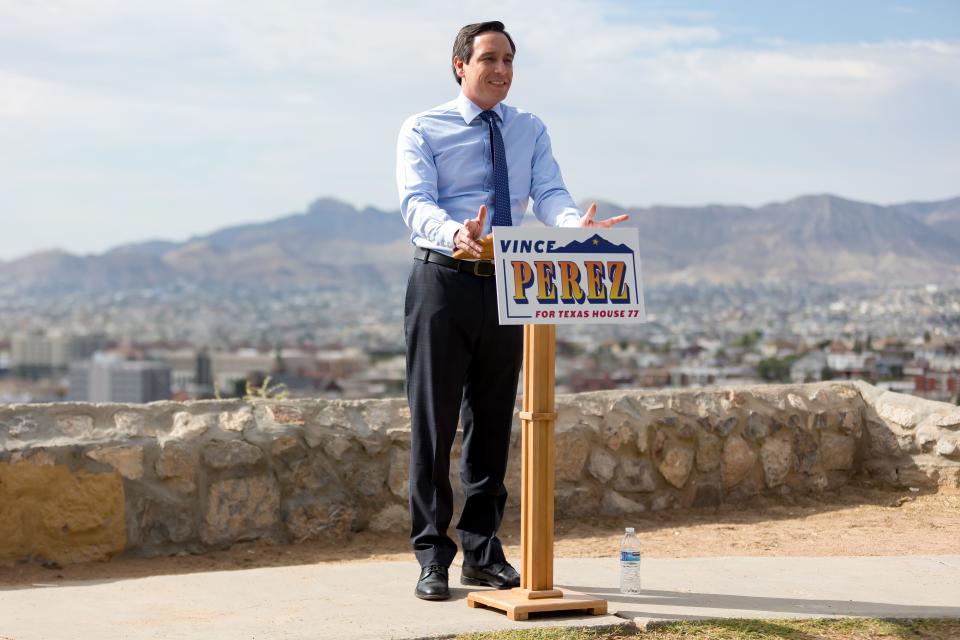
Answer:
(85, 481)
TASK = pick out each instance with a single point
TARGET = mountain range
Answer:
(817, 238)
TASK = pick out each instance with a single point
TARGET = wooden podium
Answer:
(536, 592)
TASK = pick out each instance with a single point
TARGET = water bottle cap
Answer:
(630, 530)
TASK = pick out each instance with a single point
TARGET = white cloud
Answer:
(227, 107)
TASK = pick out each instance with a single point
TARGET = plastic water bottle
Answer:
(629, 562)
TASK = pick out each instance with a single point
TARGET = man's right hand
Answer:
(466, 236)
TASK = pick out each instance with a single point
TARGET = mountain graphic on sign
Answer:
(593, 244)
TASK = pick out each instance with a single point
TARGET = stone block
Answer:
(797, 402)
(758, 426)
(399, 473)
(176, 466)
(319, 520)
(602, 465)
(948, 446)
(677, 463)
(747, 488)
(231, 454)
(805, 451)
(187, 426)
(641, 434)
(309, 475)
(399, 436)
(373, 442)
(709, 451)
(735, 400)
(684, 403)
(708, 494)
(288, 448)
(635, 475)
(48, 512)
(237, 419)
(240, 509)
(393, 518)
(900, 408)
(576, 502)
(776, 458)
(616, 437)
(127, 460)
(369, 478)
(623, 409)
(286, 414)
(21, 428)
(927, 434)
(161, 523)
(75, 426)
(726, 426)
(837, 451)
(913, 476)
(337, 447)
(572, 448)
(947, 418)
(738, 460)
(128, 423)
(662, 501)
(614, 504)
(652, 403)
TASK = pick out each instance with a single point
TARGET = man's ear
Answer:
(458, 65)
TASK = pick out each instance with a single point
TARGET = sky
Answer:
(127, 120)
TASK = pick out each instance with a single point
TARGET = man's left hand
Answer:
(588, 219)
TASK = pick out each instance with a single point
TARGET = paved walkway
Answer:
(375, 600)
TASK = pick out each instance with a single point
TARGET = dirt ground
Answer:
(856, 520)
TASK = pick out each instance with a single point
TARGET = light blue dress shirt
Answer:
(445, 171)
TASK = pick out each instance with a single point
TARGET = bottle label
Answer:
(629, 556)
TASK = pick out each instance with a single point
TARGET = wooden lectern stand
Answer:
(536, 592)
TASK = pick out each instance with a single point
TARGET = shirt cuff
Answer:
(568, 218)
(447, 230)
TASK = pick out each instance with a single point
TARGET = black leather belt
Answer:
(475, 267)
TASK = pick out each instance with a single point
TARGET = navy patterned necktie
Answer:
(501, 181)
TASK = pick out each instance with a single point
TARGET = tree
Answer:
(774, 369)
(749, 340)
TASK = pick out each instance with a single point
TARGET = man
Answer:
(455, 163)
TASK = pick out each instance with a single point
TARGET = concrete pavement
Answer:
(375, 599)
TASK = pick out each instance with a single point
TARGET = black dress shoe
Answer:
(432, 584)
(498, 575)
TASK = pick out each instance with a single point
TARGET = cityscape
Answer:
(181, 341)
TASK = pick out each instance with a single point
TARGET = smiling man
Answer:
(455, 163)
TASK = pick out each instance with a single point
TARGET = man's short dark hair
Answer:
(463, 45)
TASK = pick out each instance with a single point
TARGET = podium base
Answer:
(519, 603)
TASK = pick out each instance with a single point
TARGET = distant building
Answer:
(851, 365)
(108, 379)
(39, 354)
(938, 380)
(809, 367)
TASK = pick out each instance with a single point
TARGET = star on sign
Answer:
(595, 242)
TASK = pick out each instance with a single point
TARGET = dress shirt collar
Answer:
(469, 111)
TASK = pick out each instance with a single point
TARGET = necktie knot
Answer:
(488, 116)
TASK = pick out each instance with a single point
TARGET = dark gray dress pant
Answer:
(460, 362)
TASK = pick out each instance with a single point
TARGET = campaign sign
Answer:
(568, 276)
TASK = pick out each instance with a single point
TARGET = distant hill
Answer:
(818, 238)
